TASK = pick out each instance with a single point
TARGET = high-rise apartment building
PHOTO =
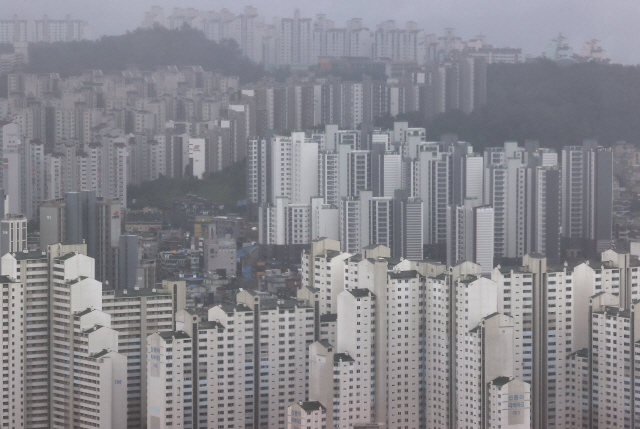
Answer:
(27, 334)
(431, 182)
(53, 218)
(417, 346)
(540, 299)
(83, 218)
(128, 260)
(14, 30)
(586, 198)
(63, 30)
(358, 172)
(135, 314)
(270, 355)
(323, 269)
(307, 415)
(83, 330)
(108, 233)
(76, 345)
(13, 234)
(408, 226)
(354, 222)
(325, 219)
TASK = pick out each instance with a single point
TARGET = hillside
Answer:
(227, 186)
(554, 104)
(146, 49)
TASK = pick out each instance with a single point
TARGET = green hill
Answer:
(557, 105)
(146, 49)
(227, 186)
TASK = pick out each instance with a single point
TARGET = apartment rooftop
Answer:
(74, 281)
(83, 312)
(326, 344)
(330, 254)
(582, 353)
(312, 289)
(210, 325)
(407, 274)
(310, 406)
(329, 317)
(360, 293)
(30, 255)
(230, 308)
(500, 381)
(66, 256)
(272, 304)
(124, 293)
(174, 335)
(614, 311)
(101, 353)
(342, 357)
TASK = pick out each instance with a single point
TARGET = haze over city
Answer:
(320, 215)
(529, 25)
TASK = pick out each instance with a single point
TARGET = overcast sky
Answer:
(517, 23)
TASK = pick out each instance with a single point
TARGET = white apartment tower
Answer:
(355, 222)
(25, 311)
(408, 228)
(431, 182)
(13, 30)
(509, 401)
(506, 186)
(272, 221)
(381, 221)
(325, 219)
(136, 314)
(323, 269)
(615, 274)
(298, 224)
(541, 302)
(358, 172)
(470, 234)
(307, 415)
(291, 328)
(483, 358)
(356, 339)
(614, 334)
(170, 380)
(329, 181)
(587, 174)
(84, 331)
(13, 230)
(261, 338)
(345, 378)
(485, 349)
(257, 171)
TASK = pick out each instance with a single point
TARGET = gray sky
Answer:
(517, 23)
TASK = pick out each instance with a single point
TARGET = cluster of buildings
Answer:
(431, 199)
(43, 30)
(75, 352)
(102, 132)
(559, 50)
(369, 341)
(425, 285)
(307, 102)
(302, 42)
(130, 249)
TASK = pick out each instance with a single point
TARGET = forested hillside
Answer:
(227, 186)
(557, 105)
(146, 49)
